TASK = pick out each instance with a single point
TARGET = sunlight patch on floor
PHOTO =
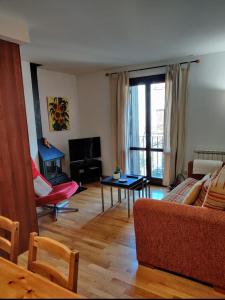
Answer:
(157, 194)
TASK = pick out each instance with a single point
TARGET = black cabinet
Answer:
(86, 170)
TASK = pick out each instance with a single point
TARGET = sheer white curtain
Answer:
(175, 121)
(119, 88)
(133, 158)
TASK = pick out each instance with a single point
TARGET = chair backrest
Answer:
(10, 246)
(58, 250)
(35, 173)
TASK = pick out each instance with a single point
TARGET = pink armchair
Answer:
(56, 198)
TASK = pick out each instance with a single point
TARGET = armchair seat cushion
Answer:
(41, 187)
(59, 193)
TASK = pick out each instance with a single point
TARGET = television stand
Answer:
(84, 171)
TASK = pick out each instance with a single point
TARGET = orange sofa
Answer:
(185, 239)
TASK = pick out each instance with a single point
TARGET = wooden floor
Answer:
(108, 267)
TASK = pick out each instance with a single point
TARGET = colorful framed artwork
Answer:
(58, 113)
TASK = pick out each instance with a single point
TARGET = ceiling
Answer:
(78, 36)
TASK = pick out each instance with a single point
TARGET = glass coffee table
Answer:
(126, 182)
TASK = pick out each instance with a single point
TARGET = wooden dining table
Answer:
(17, 282)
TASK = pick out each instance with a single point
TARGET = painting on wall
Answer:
(58, 113)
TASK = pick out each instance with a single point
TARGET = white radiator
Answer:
(212, 155)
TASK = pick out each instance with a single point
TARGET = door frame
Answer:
(147, 81)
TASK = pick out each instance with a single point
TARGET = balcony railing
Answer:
(138, 157)
(157, 141)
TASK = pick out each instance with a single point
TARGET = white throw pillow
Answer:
(41, 187)
(204, 166)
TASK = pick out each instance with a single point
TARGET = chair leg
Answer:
(67, 209)
(55, 213)
(57, 209)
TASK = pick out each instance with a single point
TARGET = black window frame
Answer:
(147, 81)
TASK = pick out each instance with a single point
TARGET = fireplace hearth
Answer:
(50, 160)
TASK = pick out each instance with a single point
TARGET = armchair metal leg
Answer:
(55, 213)
(56, 209)
(67, 209)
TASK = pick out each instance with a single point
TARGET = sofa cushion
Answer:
(195, 190)
(216, 173)
(179, 192)
(215, 197)
(201, 197)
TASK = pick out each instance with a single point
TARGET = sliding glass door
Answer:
(146, 122)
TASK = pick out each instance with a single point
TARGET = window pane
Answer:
(137, 162)
(157, 114)
(137, 116)
(157, 164)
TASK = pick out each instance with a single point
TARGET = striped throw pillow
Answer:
(215, 197)
(201, 197)
(216, 173)
(179, 192)
(193, 193)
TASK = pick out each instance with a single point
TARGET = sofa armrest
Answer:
(181, 238)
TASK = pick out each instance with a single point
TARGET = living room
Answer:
(78, 60)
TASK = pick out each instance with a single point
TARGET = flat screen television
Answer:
(87, 148)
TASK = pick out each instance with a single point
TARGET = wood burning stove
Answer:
(52, 169)
(50, 160)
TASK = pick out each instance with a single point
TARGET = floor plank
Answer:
(108, 267)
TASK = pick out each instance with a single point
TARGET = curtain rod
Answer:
(156, 67)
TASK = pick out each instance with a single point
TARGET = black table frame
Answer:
(133, 182)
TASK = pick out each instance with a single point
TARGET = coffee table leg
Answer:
(125, 193)
(103, 208)
(133, 197)
(128, 203)
(142, 186)
(111, 196)
(149, 193)
(119, 195)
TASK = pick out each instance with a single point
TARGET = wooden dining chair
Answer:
(56, 249)
(9, 246)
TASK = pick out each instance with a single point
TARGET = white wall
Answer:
(95, 118)
(95, 107)
(28, 93)
(13, 29)
(90, 112)
(205, 109)
(59, 85)
(206, 105)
